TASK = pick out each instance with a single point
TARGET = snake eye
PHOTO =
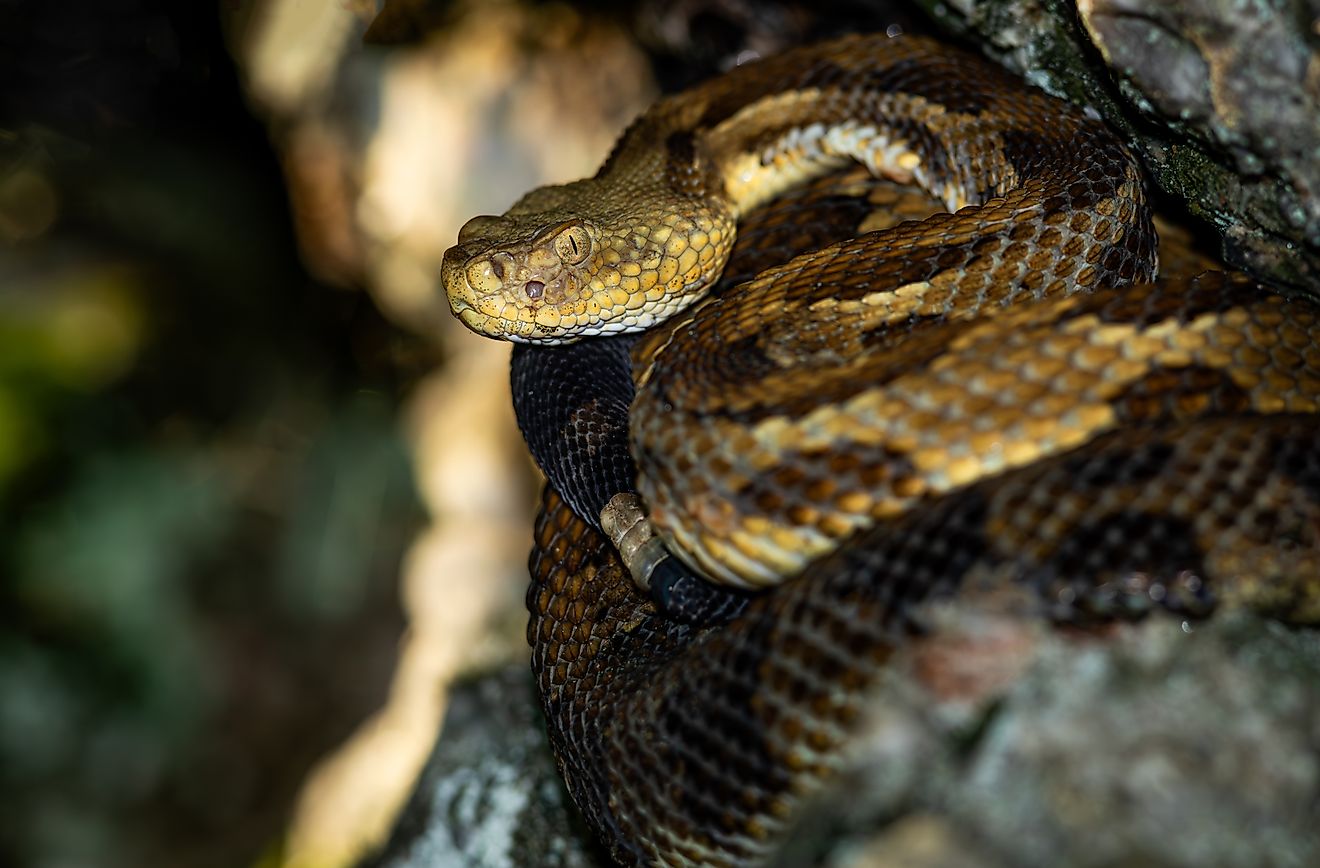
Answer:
(573, 245)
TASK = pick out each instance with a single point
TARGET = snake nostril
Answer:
(497, 267)
(534, 288)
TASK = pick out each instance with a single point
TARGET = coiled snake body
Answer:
(994, 394)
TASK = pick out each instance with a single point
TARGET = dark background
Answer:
(193, 603)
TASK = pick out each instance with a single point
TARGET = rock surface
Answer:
(1220, 98)
(1160, 744)
(489, 796)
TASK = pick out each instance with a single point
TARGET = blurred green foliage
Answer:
(71, 333)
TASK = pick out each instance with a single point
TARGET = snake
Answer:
(1003, 393)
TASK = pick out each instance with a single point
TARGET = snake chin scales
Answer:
(851, 423)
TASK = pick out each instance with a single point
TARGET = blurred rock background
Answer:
(261, 499)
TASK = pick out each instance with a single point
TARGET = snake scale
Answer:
(1000, 394)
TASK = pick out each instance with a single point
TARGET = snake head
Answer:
(506, 279)
(543, 273)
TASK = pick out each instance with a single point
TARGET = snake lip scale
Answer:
(1000, 394)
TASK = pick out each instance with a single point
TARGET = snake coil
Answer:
(999, 393)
